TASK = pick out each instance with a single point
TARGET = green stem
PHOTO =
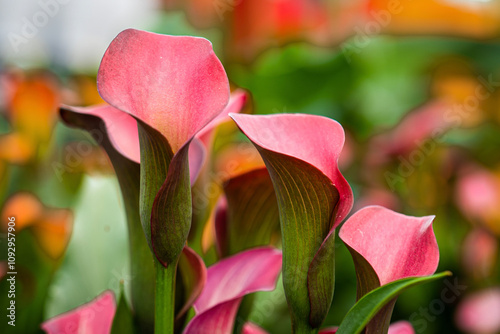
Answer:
(165, 298)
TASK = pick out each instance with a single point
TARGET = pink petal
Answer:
(218, 319)
(95, 317)
(227, 282)
(479, 312)
(314, 139)
(175, 84)
(197, 155)
(122, 131)
(120, 127)
(401, 327)
(237, 101)
(194, 276)
(329, 330)
(239, 275)
(395, 245)
(251, 328)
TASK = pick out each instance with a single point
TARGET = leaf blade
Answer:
(368, 306)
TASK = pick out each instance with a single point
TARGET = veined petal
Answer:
(298, 136)
(175, 84)
(95, 317)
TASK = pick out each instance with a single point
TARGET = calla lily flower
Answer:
(95, 317)
(173, 86)
(207, 190)
(301, 154)
(228, 281)
(117, 132)
(387, 246)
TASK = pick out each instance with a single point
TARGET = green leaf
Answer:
(307, 201)
(370, 304)
(128, 174)
(123, 320)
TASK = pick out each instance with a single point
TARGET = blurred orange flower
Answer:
(51, 227)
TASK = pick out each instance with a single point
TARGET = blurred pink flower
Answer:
(478, 313)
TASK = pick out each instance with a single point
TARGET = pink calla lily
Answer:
(388, 246)
(95, 317)
(395, 245)
(301, 153)
(228, 281)
(174, 84)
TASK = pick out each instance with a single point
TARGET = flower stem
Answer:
(165, 298)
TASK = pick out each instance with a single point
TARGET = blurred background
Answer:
(415, 84)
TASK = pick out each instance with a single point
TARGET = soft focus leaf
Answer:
(108, 127)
